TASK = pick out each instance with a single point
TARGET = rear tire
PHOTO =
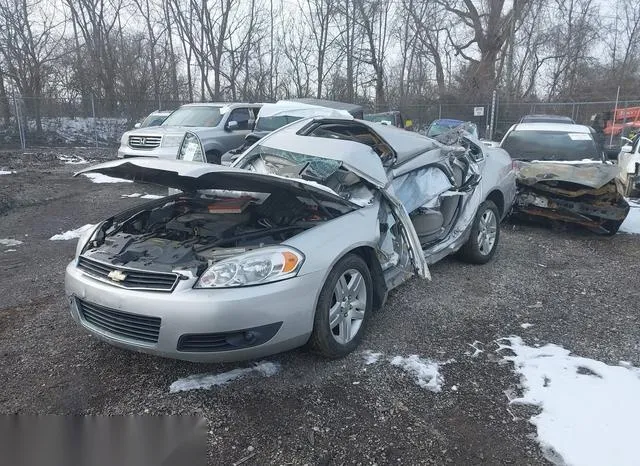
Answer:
(343, 308)
(213, 156)
(485, 235)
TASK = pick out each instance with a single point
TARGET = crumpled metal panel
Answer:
(594, 175)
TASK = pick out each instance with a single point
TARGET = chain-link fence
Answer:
(84, 122)
(508, 113)
(93, 122)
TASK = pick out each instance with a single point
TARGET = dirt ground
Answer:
(578, 290)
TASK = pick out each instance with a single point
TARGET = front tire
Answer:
(485, 235)
(343, 308)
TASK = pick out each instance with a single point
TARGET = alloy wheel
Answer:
(487, 232)
(348, 306)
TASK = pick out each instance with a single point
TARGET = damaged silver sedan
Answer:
(561, 176)
(297, 243)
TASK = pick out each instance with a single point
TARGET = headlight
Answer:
(171, 141)
(265, 265)
(191, 149)
(85, 238)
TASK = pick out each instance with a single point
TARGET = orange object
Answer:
(290, 262)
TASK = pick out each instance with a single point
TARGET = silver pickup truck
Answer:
(221, 127)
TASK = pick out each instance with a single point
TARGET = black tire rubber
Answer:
(213, 156)
(321, 340)
(470, 252)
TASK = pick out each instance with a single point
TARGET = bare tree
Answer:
(30, 41)
(486, 27)
(374, 21)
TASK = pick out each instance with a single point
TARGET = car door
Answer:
(237, 127)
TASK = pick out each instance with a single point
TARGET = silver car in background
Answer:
(221, 126)
(297, 243)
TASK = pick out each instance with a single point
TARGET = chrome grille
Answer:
(131, 279)
(123, 324)
(144, 142)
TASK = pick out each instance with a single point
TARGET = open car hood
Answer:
(592, 175)
(195, 176)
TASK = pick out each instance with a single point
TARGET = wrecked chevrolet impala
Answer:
(562, 176)
(297, 243)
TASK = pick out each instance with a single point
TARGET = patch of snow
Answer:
(72, 159)
(589, 410)
(7, 172)
(476, 349)
(100, 178)
(371, 357)
(143, 196)
(9, 242)
(206, 381)
(72, 234)
(10, 250)
(526, 325)
(426, 372)
(631, 224)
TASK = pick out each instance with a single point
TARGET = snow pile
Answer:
(82, 130)
(9, 242)
(426, 372)
(72, 159)
(7, 172)
(526, 325)
(71, 234)
(143, 196)
(631, 224)
(206, 381)
(100, 178)
(590, 411)
(371, 357)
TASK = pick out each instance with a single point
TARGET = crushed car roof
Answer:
(356, 156)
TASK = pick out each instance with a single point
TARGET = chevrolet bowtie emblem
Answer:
(117, 276)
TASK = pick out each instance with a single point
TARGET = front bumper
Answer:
(188, 311)
(170, 153)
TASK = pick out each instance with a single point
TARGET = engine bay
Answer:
(191, 232)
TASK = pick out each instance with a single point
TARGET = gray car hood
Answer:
(593, 174)
(195, 176)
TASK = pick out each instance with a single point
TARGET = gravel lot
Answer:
(578, 291)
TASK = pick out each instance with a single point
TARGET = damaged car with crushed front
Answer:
(562, 176)
(295, 244)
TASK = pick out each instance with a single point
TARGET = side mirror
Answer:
(232, 125)
(626, 148)
(137, 125)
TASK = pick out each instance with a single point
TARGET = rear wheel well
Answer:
(498, 199)
(379, 285)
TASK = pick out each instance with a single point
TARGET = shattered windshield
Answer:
(550, 145)
(290, 164)
(440, 127)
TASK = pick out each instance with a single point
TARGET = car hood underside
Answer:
(195, 176)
